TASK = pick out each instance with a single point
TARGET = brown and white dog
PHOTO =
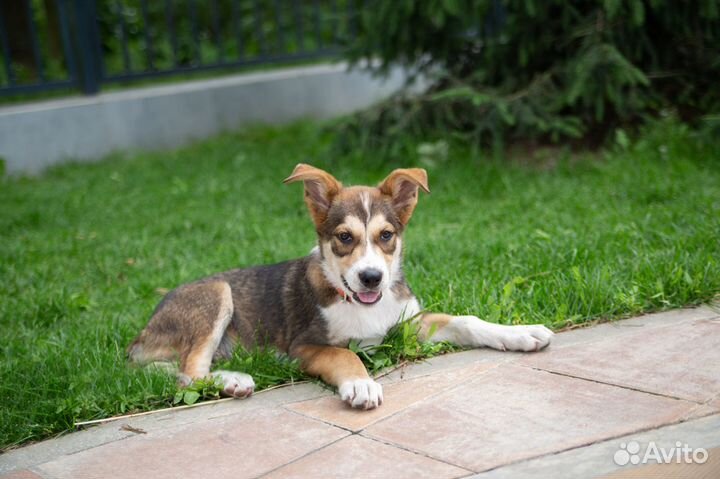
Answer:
(351, 286)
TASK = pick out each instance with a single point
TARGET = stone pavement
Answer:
(597, 396)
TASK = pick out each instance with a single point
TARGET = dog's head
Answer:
(360, 227)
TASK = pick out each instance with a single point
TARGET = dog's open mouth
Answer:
(365, 297)
(368, 297)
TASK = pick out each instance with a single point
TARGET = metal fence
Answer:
(84, 44)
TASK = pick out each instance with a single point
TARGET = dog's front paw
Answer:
(239, 385)
(361, 393)
(525, 338)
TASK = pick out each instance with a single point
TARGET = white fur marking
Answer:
(361, 393)
(369, 324)
(474, 332)
(365, 199)
(235, 384)
(396, 264)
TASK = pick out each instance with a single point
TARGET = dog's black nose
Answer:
(371, 277)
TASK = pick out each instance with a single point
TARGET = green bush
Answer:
(538, 69)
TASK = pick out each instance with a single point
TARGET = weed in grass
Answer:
(205, 388)
(267, 366)
(401, 344)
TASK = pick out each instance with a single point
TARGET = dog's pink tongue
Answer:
(368, 297)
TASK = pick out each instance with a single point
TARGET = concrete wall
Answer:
(38, 135)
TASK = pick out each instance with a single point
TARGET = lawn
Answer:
(87, 250)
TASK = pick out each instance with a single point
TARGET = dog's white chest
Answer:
(366, 324)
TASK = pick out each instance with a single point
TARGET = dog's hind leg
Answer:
(192, 321)
(475, 333)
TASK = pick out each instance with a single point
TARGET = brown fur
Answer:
(430, 322)
(376, 227)
(278, 304)
(402, 186)
(320, 190)
(332, 365)
(326, 293)
(194, 308)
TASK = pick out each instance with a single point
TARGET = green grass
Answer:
(85, 250)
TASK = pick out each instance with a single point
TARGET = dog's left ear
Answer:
(320, 189)
(402, 186)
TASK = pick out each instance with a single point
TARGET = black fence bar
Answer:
(31, 88)
(237, 27)
(279, 26)
(37, 57)
(110, 41)
(70, 64)
(90, 78)
(123, 36)
(334, 24)
(297, 15)
(170, 24)
(148, 35)
(259, 29)
(219, 56)
(193, 26)
(97, 42)
(352, 19)
(7, 59)
(318, 27)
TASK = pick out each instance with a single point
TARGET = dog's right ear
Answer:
(320, 189)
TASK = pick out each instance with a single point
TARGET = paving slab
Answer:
(239, 446)
(157, 422)
(615, 328)
(597, 460)
(360, 457)
(397, 396)
(512, 413)
(678, 360)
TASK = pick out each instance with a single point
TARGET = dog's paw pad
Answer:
(239, 385)
(361, 393)
(527, 338)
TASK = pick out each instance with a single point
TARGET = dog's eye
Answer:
(345, 237)
(386, 235)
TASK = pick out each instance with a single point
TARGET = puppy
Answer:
(351, 286)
